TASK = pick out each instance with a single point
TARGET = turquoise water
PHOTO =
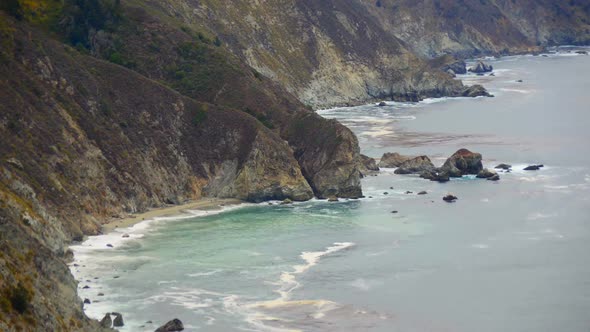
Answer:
(507, 256)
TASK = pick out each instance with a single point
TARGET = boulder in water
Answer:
(582, 52)
(392, 159)
(415, 166)
(332, 199)
(450, 198)
(286, 201)
(423, 192)
(486, 173)
(533, 168)
(503, 166)
(368, 165)
(481, 67)
(496, 177)
(118, 321)
(462, 162)
(106, 322)
(172, 326)
(475, 91)
(381, 104)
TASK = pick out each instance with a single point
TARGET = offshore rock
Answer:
(481, 67)
(391, 160)
(462, 162)
(475, 91)
(368, 165)
(106, 321)
(486, 173)
(172, 326)
(503, 166)
(415, 165)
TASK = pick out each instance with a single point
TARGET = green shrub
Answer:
(20, 298)
(199, 114)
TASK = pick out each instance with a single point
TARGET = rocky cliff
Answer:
(85, 140)
(348, 52)
(471, 27)
(110, 107)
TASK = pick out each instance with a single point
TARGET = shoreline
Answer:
(168, 211)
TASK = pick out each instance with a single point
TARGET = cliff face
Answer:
(107, 109)
(85, 140)
(347, 52)
(325, 52)
(471, 27)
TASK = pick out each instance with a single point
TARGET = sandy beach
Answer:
(173, 210)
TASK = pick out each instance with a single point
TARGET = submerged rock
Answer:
(462, 162)
(415, 165)
(496, 177)
(172, 326)
(286, 201)
(481, 67)
(582, 52)
(106, 322)
(423, 192)
(450, 198)
(381, 104)
(392, 159)
(87, 301)
(533, 168)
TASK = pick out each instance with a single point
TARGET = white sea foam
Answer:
(204, 274)
(254, 313)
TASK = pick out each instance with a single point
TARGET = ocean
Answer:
(509, 255)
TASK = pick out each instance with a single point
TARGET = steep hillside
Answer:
(325, 52)
(86, 140)
(348, 52)
(471, 27)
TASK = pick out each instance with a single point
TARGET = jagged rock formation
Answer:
(476, 91)
(368, 165)
(481, 67)
(415, 166)
(392, 159)
(448, 63)
(462, 162)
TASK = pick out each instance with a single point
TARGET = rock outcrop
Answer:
(368, 165)
(392, 159)
(461, 163)
(503, 166)
(486, 173)
(481, 67)
(87, 140)
(448, 63)
(475, 91)
(450, 198)
(171, 326)
(415, 166)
